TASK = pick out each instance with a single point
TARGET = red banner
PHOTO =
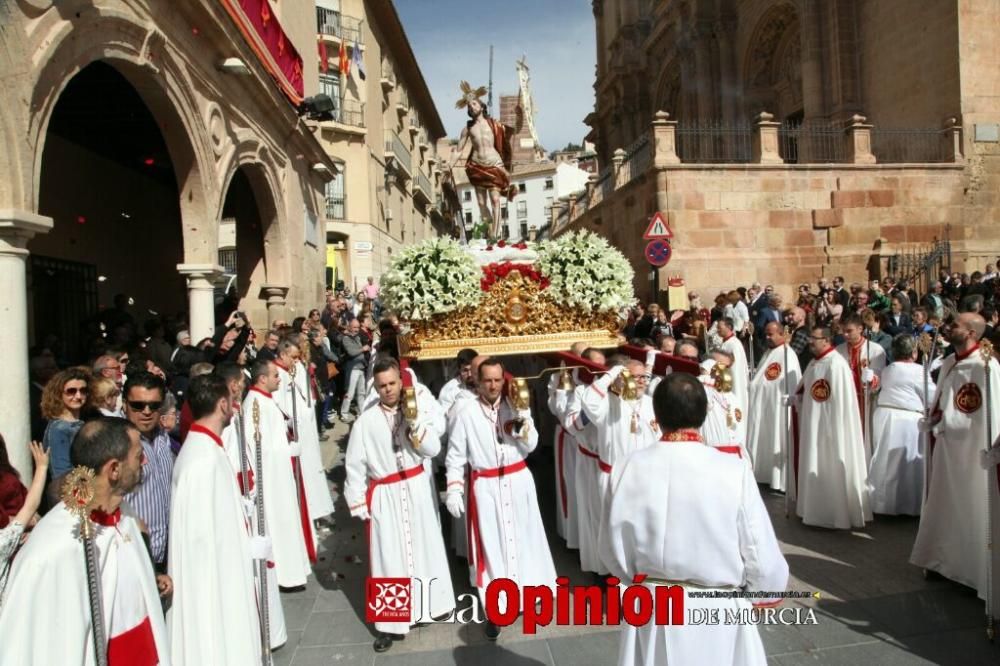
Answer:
(264, 34)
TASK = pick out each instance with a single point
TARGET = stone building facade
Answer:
(130, 130)
(383, 138)
(878, 136)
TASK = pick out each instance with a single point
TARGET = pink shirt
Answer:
(371, 290)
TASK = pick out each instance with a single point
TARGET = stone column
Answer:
(17, 227)
(618, 159)
(860, 143)
(276, 298)
(201, 298)
(765, 140)
(664, 140)
(953, 141)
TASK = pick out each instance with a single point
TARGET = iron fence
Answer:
(715, 142)
(812, 143)
(395, 147)
(329, 22)
(915, 145)
(922, 265)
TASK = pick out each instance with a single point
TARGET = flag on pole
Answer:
(324, 58)
(345, 64)
(358, 62)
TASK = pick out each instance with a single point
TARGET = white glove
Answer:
(925, 425)
(295, 449)
(668, 371)
(991, 458)
(788, 401)
(260, 547)
(362, 513)
(455, 504)
(248, 507)
(867, 375)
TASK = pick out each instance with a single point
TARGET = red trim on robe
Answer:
(197, 427)
(477, 556)
(370, 493)
(304, 511)
(261, 391)
(135, 647)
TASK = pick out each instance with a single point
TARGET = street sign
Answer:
(658, 252)
(658, 228)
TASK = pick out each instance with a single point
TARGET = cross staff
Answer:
(261, 565)
(986, 350)
(78, 495)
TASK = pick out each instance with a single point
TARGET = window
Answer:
(522, 188)
(335, 199)
(522, 209)
(524, 231)
(467, 196)
(330, 85)
(548, 184)
(548, 208)
(506, 231)
(503, 212)
(468, 218)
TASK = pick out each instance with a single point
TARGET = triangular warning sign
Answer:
(658, 228)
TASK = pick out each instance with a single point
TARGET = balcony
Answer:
(402, 102)
(414, 126)
(396, 152)
(335, 207)
(339, 27)
(388, 77)
(422, 188)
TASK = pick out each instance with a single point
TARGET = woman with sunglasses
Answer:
(62, 400)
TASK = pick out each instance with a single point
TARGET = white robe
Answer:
(953, 526)
(832, 473)
(565, 454)
(725, 423)
(615, 420)
(404, 532)
(317, 490)
(509, 522)
(459, 538)
(768, 431)
(45, 618)
(587, 482)
(281, 502)
(740, 371)
(683, 512)
(231, 445)
(213, 615)
(896, 472)
(867, 354)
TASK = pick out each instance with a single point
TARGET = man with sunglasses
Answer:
(143, 397)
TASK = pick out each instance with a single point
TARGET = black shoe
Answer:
(382, 642)
(491, 630)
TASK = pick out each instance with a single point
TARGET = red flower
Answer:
(501, 243)
(489, 248)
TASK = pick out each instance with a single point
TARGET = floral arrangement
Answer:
(493, 273)
(585, 272)
(433, 277)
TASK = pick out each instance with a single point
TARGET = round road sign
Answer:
(658, 252)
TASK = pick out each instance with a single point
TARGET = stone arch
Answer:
(668, 89)
(255, 161)
(772, 63)
(138, 52)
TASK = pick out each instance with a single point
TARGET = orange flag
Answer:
(345, 63)
(324, 59)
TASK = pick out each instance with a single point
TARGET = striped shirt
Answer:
(151, 498)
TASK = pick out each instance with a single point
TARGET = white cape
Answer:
(769, 424)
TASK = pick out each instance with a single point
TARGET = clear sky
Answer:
(451, 39)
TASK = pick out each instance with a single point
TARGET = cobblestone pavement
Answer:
(874, 607)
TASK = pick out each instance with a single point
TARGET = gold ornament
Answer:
(565, 378)
(513, 317)
(517, 391)
(723, 377)
(409, 400)
(77, 493)
(469, 94)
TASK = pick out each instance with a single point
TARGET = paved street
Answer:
(874, 608)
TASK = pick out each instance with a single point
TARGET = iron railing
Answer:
(424, 183)
(329, 22)
(715, 142)
(638, 158)
(897, 146)
(812, 143)
(387, 72)
(395, 148)
(227, 259)
(922, 265)
(350, 112)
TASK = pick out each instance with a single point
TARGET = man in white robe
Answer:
(281, 501)
(565, 455)
(769, 422)
(387, 488)
(867, 361)
(953, 535)
(46, 616)
(214, 616)
(668, 506)
(896, 472)
(506, 535)
(725, 424)
(232, 439)
(831, 470)
(463, 379)
(293, 397)
(467, 392)
(739, 367)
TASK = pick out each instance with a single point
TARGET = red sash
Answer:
(304, 511)
(375, 483)
(477, 558)
(730, 449)
(134, 647)
(603, 466)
